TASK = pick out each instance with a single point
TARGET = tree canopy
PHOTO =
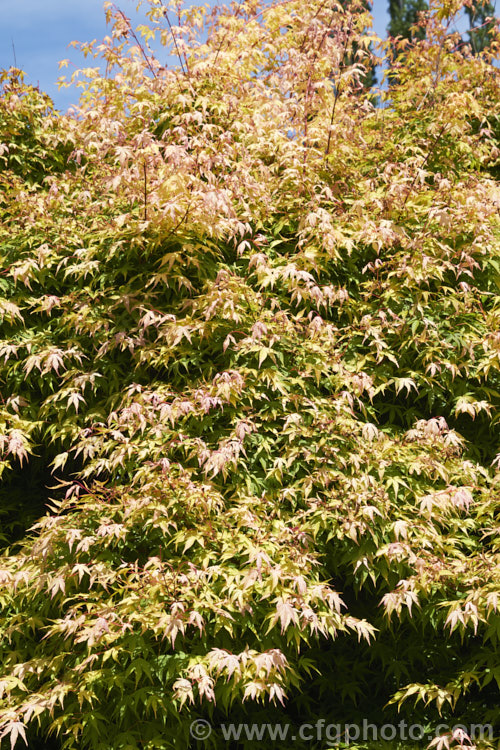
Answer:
(250, 376)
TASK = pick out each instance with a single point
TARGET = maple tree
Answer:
(250, 343)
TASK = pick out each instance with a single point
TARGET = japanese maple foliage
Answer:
(250, 339)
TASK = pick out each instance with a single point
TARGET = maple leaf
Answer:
(14, 730)
(75, 399)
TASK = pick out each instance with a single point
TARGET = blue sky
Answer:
(40, 30)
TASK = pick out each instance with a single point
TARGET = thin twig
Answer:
(337, 88)
(134, 35)
(429, 154)
(165, 13)
(145, 191)
(179, 223)
(309, 80)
